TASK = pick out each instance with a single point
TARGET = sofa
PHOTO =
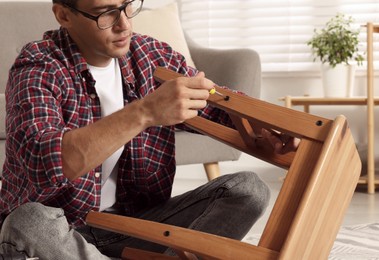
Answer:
(21, 22)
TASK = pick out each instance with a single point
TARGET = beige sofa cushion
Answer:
(164, 24)
(20, 23)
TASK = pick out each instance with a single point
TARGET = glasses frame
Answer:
(96, 17)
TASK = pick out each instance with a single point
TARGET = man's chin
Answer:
(119, 52)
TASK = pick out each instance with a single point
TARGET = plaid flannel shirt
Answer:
(50, 91)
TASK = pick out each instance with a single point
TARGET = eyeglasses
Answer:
(109, 18)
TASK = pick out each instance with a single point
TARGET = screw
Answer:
(214, 91)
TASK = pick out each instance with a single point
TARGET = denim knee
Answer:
(255, 192)
(30, 218)
(43, 231)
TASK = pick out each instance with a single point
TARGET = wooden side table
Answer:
(306, 101)
(370, 101)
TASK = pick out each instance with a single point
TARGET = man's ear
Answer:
(62, 15)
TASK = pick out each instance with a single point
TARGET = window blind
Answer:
(277, 29)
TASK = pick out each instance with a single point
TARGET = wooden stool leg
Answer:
(212, 170)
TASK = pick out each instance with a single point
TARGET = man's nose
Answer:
(124, 21)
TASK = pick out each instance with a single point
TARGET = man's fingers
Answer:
(200, 82)
(200, 74)
(281, 143)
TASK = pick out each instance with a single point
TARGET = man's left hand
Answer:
(282, 143)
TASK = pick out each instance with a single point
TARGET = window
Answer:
(277, 29)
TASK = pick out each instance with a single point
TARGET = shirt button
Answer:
(92, 96)
(97, 175)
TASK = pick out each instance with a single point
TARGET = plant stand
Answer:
(370, 180)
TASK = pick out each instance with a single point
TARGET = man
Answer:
(88, 128)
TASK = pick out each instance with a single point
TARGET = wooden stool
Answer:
(321, 179)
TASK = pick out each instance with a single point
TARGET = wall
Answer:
(155, 3)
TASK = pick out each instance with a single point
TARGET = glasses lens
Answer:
(109, 18)
(133, 8)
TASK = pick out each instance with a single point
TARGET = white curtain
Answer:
(277, 29)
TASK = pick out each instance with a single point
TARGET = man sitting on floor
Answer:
(88, 128)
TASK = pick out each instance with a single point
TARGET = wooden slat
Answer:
(244, 128)
(364, 180)
(202, 244)
(272, 116)
(375, 27)
(370, 111)
(300, 101)
(232, 138)
(288, 200)
(263, 113)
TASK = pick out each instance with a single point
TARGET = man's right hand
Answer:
(176, 100)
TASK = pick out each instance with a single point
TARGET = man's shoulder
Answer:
(37, 50)
(51, 51)
(148, 43)
(44, 47)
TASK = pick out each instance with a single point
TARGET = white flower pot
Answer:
(338, 81)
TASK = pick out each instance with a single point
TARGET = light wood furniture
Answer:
(370, 101)
(371, 29)
(321, 179)
(370, 180)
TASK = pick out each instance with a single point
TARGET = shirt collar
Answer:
(75, 59)
(71, 51)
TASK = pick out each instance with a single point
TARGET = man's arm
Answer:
(173, 102)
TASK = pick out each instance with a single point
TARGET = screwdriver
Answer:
(214, 91)
(16, 256)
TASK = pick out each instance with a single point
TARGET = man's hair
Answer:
(67, 2)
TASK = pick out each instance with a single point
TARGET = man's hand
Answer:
(281, 143)
(177, 100)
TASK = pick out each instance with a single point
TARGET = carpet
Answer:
(359, 242)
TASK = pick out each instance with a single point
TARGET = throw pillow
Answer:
(163, 23)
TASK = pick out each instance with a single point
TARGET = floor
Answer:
(364, 208)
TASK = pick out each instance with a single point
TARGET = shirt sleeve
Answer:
(35, 126)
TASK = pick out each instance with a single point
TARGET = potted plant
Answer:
(336, 46)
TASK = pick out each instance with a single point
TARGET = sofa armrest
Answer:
(238, 69)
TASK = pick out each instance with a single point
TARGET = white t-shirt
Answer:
(109, 89)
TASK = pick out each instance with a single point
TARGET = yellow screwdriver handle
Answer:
(212, 91)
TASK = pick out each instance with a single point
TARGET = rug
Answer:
(359, 242)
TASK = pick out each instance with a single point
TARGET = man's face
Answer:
(98, 46)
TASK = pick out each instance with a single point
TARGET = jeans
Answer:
(227, 206)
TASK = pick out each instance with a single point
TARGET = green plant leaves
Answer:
(336, 43)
